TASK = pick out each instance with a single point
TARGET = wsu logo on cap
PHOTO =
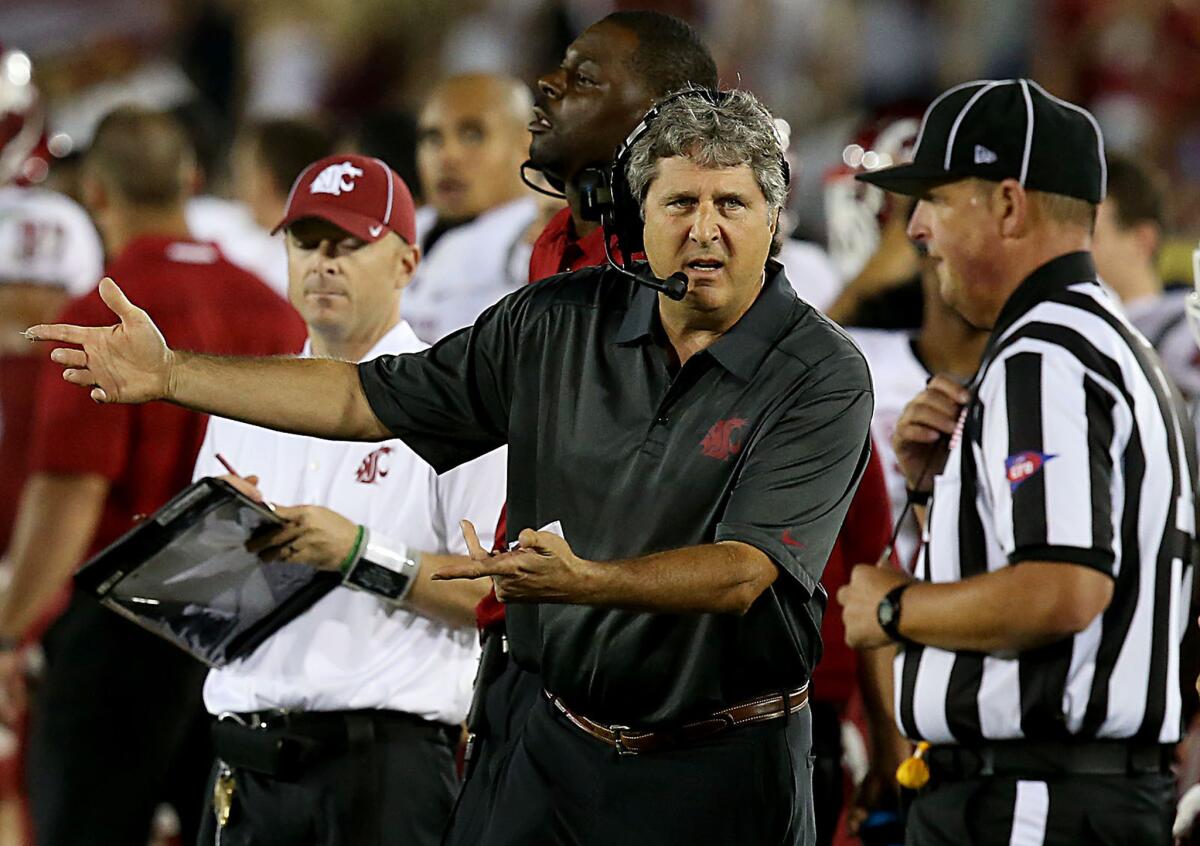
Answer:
(335, 179)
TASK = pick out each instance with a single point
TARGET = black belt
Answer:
(282, 743)
(1048, 758)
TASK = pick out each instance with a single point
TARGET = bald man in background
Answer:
(472, 136)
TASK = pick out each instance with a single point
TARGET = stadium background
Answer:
(823, 65)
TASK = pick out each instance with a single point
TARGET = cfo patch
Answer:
(1023, 465)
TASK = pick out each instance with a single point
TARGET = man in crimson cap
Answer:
(342, 727)
(1039, 639)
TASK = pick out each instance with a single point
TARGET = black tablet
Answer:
(185, 574)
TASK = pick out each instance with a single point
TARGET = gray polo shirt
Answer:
(761, 438)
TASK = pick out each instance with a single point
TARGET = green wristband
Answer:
(353, 556)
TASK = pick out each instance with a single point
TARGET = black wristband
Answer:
(888, 613)
(915, 497)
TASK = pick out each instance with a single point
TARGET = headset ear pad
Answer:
(627, 211)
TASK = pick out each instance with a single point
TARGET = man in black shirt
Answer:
(690, 463)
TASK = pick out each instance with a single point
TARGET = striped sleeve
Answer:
(1046, 457)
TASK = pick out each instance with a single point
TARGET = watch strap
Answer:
(891, 627)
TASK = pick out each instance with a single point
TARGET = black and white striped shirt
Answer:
(1076, 448)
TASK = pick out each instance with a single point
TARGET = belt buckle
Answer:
(619, 740)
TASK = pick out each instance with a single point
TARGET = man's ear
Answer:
(1149, 237)
(1011, 206)
(407, 260)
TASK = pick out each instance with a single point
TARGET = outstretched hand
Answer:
(542, 568)
(125, 363)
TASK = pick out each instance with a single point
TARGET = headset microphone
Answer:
(674, 286)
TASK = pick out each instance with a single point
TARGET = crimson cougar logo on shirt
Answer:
(372, 468)
(723, 439)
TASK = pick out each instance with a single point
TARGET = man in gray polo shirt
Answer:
(695, 459)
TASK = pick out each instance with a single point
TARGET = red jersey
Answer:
(862, 539)
(18, 381)
(200, 302)
(557, 250)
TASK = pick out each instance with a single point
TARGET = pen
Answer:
(229, 467)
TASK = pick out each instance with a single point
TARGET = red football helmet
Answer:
(23, 150)
(855, 212)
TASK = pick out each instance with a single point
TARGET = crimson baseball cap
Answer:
(358, 193)
(999, 129)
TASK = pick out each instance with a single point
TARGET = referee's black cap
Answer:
(999, 129)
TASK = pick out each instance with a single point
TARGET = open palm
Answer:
(126, 363)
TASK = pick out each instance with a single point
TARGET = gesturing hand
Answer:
(126, 363)
(542, 568)
(923, 430)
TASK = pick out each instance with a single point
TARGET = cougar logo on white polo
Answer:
(983, 155)
(335, 179)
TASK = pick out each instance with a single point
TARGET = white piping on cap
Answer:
(1095, 126)
(1028, 130)
(938, 99)
(962, 113)
(387, 174)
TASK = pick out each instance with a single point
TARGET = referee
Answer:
(1048, 691)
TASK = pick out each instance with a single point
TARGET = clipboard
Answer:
(185, 575)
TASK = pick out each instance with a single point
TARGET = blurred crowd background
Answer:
(821, 64)
(361, 69)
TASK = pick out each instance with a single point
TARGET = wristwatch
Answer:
(888, 613)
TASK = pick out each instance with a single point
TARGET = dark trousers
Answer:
(751, 785)
(504, 701)
(391, 782)
(117, 726)
(829, 779)
(1064, 810)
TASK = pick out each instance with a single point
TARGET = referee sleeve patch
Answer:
(1020, 467)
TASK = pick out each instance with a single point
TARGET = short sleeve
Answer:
(797, 483)
(1047, 457)
(450, 403)
(73, 434)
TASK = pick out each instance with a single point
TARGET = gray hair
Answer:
(727, 131)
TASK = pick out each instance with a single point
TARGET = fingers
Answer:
(69, 357)
(270, 544)
(79, 376)
(245, 486)
(64, 332)
(116, 300)
(473, 568)
(947, 387)
(474, 547)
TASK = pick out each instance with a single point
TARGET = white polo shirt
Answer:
(352, 650)
(468, 269)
